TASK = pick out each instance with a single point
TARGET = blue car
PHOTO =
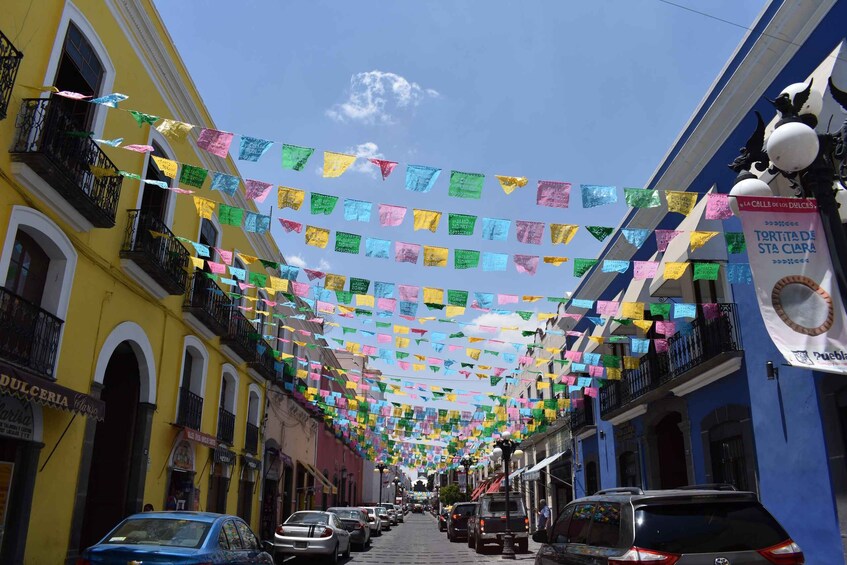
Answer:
(178, 538)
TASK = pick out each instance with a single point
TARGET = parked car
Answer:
(699, 524)
(457, 521)
(374, 521)
(442, 519)
(177, 537)
(355, 520)
(418, 509)
(384, 518)
(392, 514)
(400, 513)
(488, 522)
(312, 533)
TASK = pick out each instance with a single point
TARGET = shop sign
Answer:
(224, 456)
(201, 438)
(16, 418)
(182, 456)
(49, 394)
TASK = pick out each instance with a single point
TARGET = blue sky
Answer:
(591, 91)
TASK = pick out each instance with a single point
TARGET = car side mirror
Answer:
(540, 536)
(268, 546)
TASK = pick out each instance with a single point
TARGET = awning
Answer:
(21, 384)
(328, 487)
(495, 485)
(516, 473)
(480, 488)
(535, 472)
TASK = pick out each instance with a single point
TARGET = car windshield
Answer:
(347, 514)
(160, 531)
(307, 518)
(500, 506)
(706, 527)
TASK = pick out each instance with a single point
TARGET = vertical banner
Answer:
(795, 283)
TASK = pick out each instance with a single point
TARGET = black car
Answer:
(457, 521)
(702, 524)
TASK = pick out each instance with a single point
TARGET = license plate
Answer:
(301, 544)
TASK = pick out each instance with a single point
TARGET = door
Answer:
(553, 552)
(673, 471)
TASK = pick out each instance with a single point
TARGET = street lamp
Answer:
(467, 463)
(505, 447)
(343, 483)
(396, 482)
(811, 162)
(381, 468)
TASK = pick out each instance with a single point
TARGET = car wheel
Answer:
(333, 557)
(478, 545)
(470, 540)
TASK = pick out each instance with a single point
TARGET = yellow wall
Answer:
(103, 295)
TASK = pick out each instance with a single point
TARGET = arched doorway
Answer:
(109, 480)
(670, 445)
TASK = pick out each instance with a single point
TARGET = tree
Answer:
(450, 495)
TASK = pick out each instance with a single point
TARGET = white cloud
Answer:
(499, 320)
(375, 95)
(298, 261)
(364, 152)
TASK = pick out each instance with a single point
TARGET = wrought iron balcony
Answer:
(152, 246)
(48, 142)
(226, 426)
(190, 409)
(10, 60)
(582, 417)
(29, 335)
(706, 344)
(251, 439)
(208, 303)
(264, 362)
(241, 336)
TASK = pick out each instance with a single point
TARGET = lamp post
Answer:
(396, 483)
(505, 447)
(467, 463)
(343, 484)
(380, 468)
(811, 162)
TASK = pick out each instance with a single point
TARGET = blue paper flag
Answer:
(684, 310)
(438, 347)
(252, 148)
(591, 358)
(495, 229)
(640, 345)
(323, 294)
(494, 261)
(240, 274)
(408, 308)
(596, 195)
(110, 100)
(580, 303)
(596, 320)
(227, 184)
(257, 223)
(383, 289)
(739, 273)
(636, 237)
(420, 178)
(583, 382)
(509, 357)
(484, 299)
(438, 336)
(357, 210)
(202, 250)
(379, 248)
(579, 368)
(289, 272)
(615, 266)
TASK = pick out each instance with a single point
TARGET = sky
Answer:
(582, 91)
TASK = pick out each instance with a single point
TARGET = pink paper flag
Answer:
(314, 320)
(433, 360)
(717, 207)
(524, 359)
(665, 328)
(664, 237)
(312, 274)
(498, 371)
(291, 226)
(526, 263)
(661, 345)
(507, 298)
(419, 331)
(574, 356)
(181, 190)
(217, 268)
(245, 308)
(245, 286)
(368, 350)
(607, 308)
(530, 232)
(488, 329)
(383, 338)
(576, 317)
(553, 193)
(453, 348)
(326, 307)
(406, 252)
(573, 333)
(568, 379)
(592, 391)
(710, 311)
(595, 371)
(389, 304)
(385, 167)
(390, 215)
(215, 142)
(408, 293)
(256, 190)
(644, 269)
(226, 256)
(300, 289)
(139, 148)
(404, 365)
(72, 95)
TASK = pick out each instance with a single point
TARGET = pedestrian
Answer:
(543, 515)
(148, 508)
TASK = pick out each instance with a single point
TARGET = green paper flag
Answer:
(642, 198)
(401, 354)
(269, 264)
(141, 118)
(230, 215)
(363, 312)
(384, 324)
(599, 232)
(382, 386)
(581, 266)
(706, 271)
(322, 203)
(613, 361)
(343, 296)
(465, 259)
(433, 306)
(527, 333)
(660, 309)
(359, 286)
(258, 279)
(466, 185)
(461, 224)
(524, 314)
(735, 241)
(457, 297)
(456, 335)
(347, 243)
(295, 157)
(193, 176)
(494, 380)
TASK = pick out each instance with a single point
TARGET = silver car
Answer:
(355, 521)
(312, 533)
(374, 521)
(392, 514)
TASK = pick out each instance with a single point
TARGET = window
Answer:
(223, 543)
(231, 531)
(209, 235)
(727, 452)
(154, 200)
(559, 533)
(261, 307)
(606, 525)
(580, 523)
(28, 267)
(248, 539)
(80, 70)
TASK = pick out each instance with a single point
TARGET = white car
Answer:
(312, 533)
(373, 521)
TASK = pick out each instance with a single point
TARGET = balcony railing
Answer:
(226, 425)
(241, 336)
(190, 409)
(10, 60)
(48, 141)
(705, 341)
(29, 335)
(251, 439)
(152, 246)
(264, 362)
(208, 303)
(582, 417)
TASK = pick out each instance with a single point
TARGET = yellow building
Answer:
(126, 376)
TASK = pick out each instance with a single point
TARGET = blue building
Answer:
(706, 410)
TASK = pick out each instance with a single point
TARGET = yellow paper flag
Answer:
(473, 353)
(197, 262)
(401, 342)
(167, 166)
(317, 237)
(682, 202)
(613, 374)
(427, 220)
(545, 316)
(433, 295)
(336, 163)
(364, 300)
(290, 198)
(100, 172)
(403, 330)
(302, 374)
(435, 256)
(633, 310)
(674, 271)
(350, 384)
(472, 339)
(555, 261)
(248, 259)
(205, 208)
(509, 184)
(596, 339)
(541, 385)
(454, 311)
(699, 238)
(335, 282)
(540, 362)
(630, 363)
(562, 233)
(173, 130)
(530, 298)
(278, 284)
(644, 325)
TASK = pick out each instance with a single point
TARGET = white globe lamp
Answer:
(813, 105)
(496, 453)
(749, 185)
(792, 146)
